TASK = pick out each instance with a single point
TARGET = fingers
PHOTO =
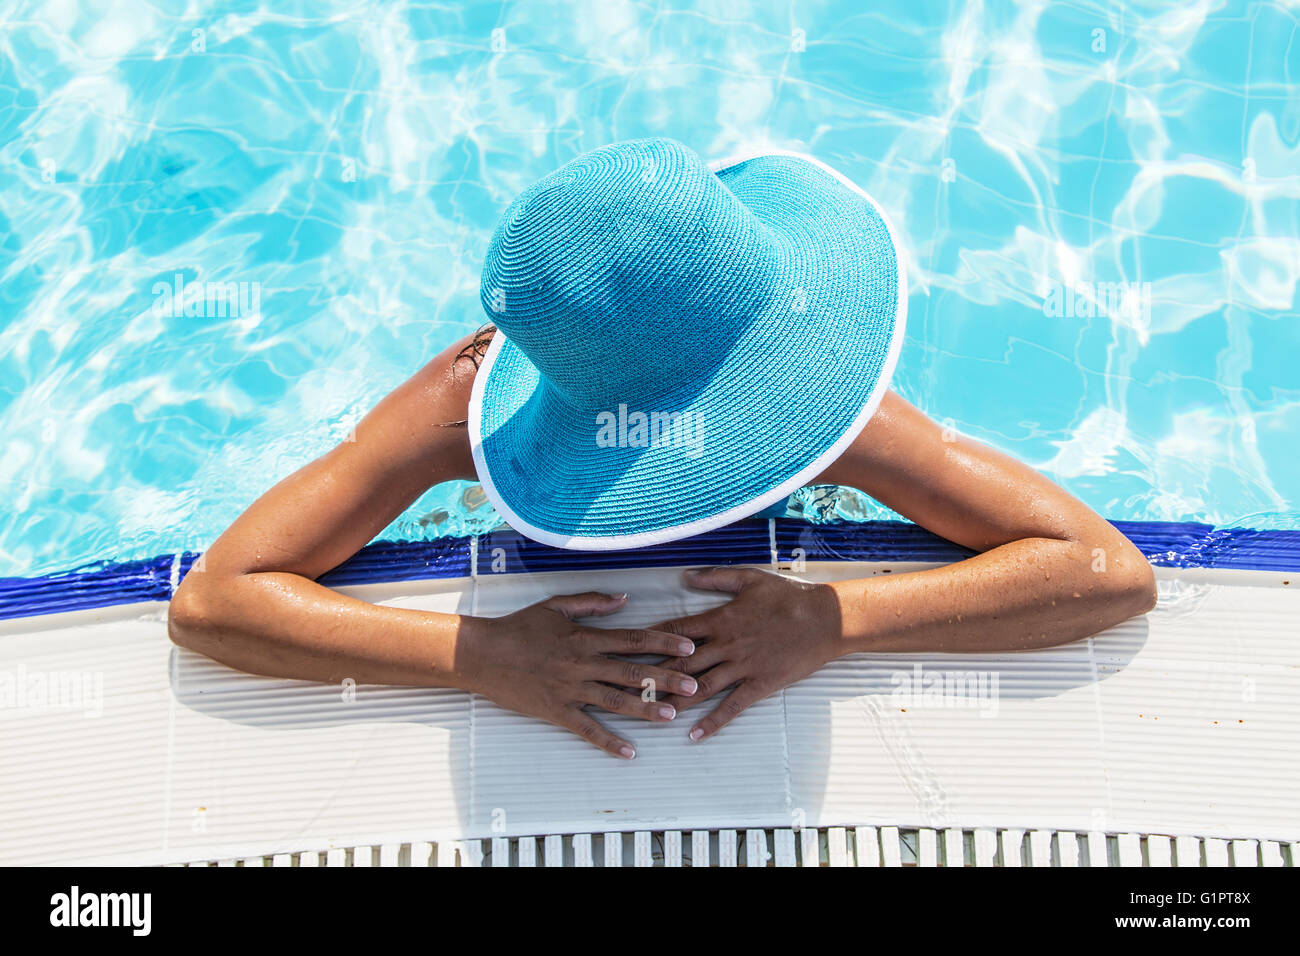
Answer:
(579, 722)
(705, 657)
(693, 625)
(631, 641)
(662, 681)
(586, 604)
(708, 684)
(739, 700)
(618, 701)
(591, 731)
(730, 580)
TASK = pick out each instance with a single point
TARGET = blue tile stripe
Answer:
(745, 542)
(94, 586)
(1168, 544)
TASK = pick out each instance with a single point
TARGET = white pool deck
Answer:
(1170, 740)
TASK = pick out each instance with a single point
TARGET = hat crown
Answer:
(628, 273)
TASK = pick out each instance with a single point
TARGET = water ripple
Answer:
(1098, 203)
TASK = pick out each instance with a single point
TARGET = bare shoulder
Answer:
(465, 357)
(425, 419)
(447, 380)
(897, 432)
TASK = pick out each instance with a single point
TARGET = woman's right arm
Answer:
(253, 603)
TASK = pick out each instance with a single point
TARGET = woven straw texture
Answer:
(748, 315)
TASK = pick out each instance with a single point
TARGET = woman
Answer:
(681, 348)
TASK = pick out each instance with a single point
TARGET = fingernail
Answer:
(697, 733)
(667, 712)
(688, 686)
(627, 751)
(686, 647)
(621, 597)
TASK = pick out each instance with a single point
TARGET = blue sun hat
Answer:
(678, 347)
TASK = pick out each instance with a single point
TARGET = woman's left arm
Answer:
(1050, 570)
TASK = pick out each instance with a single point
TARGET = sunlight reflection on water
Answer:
(352, 165)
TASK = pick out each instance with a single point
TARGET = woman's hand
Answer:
(774, 632)
(538, 662)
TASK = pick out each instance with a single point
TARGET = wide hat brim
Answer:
(789, 397)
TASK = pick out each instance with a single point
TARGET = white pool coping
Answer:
(1183, 723)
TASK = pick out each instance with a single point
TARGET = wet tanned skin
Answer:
(1049, 571)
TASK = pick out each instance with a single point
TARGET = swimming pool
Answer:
(1098, 203)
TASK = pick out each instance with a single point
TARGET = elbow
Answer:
(201, 617)
(1147, 587)
(187, 615)
(1120, 580)
(1133, 583)
(1141, 589)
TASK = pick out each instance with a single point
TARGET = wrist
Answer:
(829, 622)
(855, 633)
(473, 634)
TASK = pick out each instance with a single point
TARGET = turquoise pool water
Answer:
(1098, 202)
